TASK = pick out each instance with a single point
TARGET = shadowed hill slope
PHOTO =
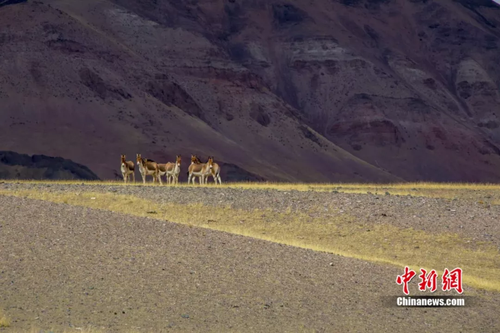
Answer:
(10, 2)
(21, 166)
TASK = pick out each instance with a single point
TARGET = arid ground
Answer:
(105, 257)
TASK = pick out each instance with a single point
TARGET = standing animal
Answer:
(214, 171)
(175, 171)
(195, 159)
(197, 169)
(127, 168)
(163, 171)
(147, 168)
(170, 170)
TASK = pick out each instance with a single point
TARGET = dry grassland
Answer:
(320, 228)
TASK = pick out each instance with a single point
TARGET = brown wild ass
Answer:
(127, 168)
(170, 170)
(175, 171)
(197, 169)
(195, 159)
(214, 171)
(147, 168)
(163, 171)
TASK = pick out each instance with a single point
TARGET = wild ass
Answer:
(163, 170)
(197, 169)
(170, 170)
(127, 168)
(214, 171)
(175, 171)
(147, 168)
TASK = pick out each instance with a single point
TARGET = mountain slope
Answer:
(86, 92)
(337, 90)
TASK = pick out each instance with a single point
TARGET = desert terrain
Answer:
(355, 137)
(242, 257)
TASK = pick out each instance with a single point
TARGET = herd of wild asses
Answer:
(171, 170)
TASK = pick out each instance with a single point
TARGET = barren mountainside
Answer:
(331, 90)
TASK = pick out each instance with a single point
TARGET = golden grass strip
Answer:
(89, 329)
(4, 320)
(333, 232)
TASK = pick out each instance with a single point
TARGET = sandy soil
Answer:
(65, 266)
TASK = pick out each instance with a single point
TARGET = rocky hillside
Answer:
(349, 90)
(21, 166)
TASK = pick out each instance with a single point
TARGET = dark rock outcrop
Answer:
(38, 167)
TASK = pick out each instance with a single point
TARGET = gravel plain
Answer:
(65, 267)
(469, 217)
